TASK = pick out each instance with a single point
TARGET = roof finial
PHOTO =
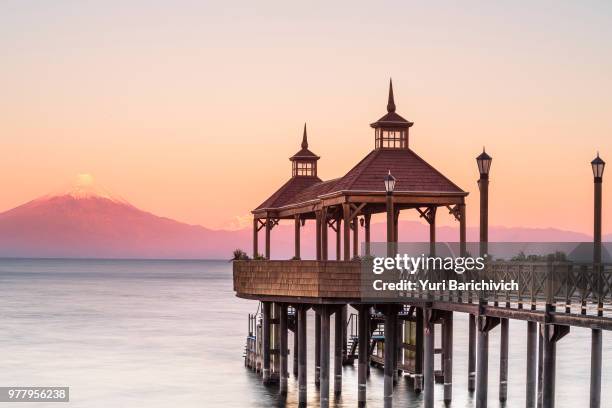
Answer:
(305, 138)
(391, 102)
(483, 149)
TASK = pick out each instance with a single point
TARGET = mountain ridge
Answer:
(88, 225)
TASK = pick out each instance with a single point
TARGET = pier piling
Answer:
(317, 349)
(324, 358)
(485, 324)
(540, 363)
(532, 364)
(428, 360)
(364, 341)
(301, 315)
(338, 351)
(447, 333)
(472, 353)
(552, 333)
(503, 360)
(596, 362)
(295, 347)
(266, 342)
(284, 372)
(390, 337)
(418, 363)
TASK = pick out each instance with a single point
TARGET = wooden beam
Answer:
(432, 230)
(366, 221)
(297, 226)
(346, 209)
(355, 226)
(318, 235)
(338, 239)
(255, 236)
(268, 228)
(324, 245)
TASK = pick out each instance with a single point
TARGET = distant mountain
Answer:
(86, 222)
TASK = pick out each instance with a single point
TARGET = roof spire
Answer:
(305, 138)
(391, 102)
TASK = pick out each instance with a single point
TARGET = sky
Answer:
(190, 110)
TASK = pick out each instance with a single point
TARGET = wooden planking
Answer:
(297, 278)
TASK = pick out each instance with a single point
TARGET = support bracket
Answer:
(428, 213)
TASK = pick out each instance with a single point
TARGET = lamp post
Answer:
(484, 165)
(597, 166)
(482, 373)
(389, 187)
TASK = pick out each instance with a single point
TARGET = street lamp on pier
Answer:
(597, 166)
(389, 188)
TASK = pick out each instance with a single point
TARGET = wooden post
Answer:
(367, 218)
(462, 228)
(338, 239)
(338, 319)
(398, 348)
(364, 341)
(447, 332)
(302, 393)
(324, 230)
(428, 360)
(266, 342)
(275, 343)
(344, 333)
(485, 324)
(295, 346)
(548, 367)
(268, 228)
(390, 225)
(552, 333)
(355, 237)
(596, 339)
(255, 236)
(324, 390)
(596, 357)
(297, 227)
(432, 234)
(317, 350)
(396, 215)
(532, 364)
(318, 235)
(284, 372)
(482, 373)
(346, 209)
(390, 339)
(418, 363)
(472, 353)
(503, 360)
(540, 364)
(483, 184)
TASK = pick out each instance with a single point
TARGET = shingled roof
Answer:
(413, 174)
(288, 193)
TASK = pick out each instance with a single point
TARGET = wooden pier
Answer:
(553, 296)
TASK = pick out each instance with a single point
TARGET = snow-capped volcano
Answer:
(86, 220)
(85, 187)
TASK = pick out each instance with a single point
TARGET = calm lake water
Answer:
(171, 333)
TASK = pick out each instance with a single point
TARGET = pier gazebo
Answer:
(348, 202)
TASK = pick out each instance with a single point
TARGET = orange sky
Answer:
(192, 111)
